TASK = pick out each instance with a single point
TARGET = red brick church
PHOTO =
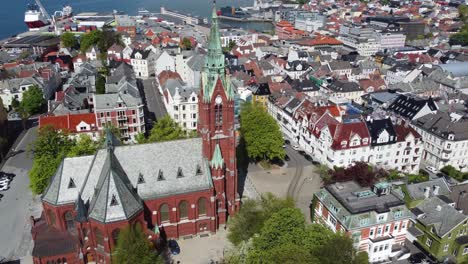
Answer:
(180, 188)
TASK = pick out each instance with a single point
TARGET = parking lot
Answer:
(17, 203)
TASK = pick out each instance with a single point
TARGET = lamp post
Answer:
(460, 194)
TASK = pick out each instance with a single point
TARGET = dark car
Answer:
(286, 158)
(287, 142)
(308, 157)
(174, 247)
(417, 258)
(301, 152)
(1, 196)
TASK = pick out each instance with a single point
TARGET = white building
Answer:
(321, 133)
(391, 40)
(142, 62)
(164, 62)
(181, 102)
(445, 139)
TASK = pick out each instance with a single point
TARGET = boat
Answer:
(67, 11)
(36, 16)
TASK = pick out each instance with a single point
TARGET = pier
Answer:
(187, 19)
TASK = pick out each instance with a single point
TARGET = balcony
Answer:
(121, 117)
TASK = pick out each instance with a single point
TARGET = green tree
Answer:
(463, 12)
(262, 135)
(44, 167)
(68, 40)
(100, 84)
(89, 39)
(253, 214)
(361, 258)
(48, 149)
(84, 145)
(51, 142)
(328, 252)
(134, 247)
(230, 46)
(32, 101)
(166, 129)
(186, 44)
(15, 103)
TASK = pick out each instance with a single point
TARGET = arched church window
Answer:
(115, 236)
(202, 206)
(69, 221)
(99, 237)
(51, 217)
(183, 210)
(164, 212)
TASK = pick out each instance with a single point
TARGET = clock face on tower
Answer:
(218, 100)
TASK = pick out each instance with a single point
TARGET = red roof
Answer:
(69, 122)
(166, 75)
(403, 130)
(345, 132)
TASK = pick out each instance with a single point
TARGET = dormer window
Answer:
(160, 176)
(343, 143)
(114, 201)
(71, 184)
(199, 171)
(140, 179)
(179, 173)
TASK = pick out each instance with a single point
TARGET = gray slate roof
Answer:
(164, 157)
(416, 190)
(115, 198)
(443, 124)
(439, 214)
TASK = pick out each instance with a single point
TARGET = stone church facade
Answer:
(172, 189)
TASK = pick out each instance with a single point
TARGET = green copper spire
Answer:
(217, 161)
(214, 62)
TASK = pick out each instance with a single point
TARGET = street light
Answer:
(460, 194)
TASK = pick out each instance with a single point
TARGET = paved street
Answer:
(153, 99)
(202, 250)
(17, 205)
(298, 179)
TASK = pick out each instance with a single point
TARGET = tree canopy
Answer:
(262, 135)
(100, 84)
(253, 214)
(134, 247)
(50, 147)
(32, 101)
(163, 130)
(68, 40)
(286, 238)
(103, 39)
(84, 145)
(186, 44)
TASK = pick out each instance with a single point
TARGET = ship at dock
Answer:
(36, 16)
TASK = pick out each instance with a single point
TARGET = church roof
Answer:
(115, 198)
(140, 169)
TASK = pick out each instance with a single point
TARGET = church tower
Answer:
(216, 125)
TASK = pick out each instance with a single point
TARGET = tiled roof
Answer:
(346, 132)
(440, 215)
(69, 122)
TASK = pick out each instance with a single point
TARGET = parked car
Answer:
(431, 169)
(295, 147)
(173, 247)
(308, 157)
(302, 152)
(1, 196)
(287, 142)
(4, 181)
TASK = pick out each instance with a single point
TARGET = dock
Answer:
(245, 19)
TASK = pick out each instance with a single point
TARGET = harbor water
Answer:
(12, 12)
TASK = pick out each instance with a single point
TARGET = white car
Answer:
(431, 169)
(3, 187)
(4, 181)
(295, 147)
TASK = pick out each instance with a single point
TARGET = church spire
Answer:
(214, 62)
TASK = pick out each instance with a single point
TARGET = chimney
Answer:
(426, 192)
(435, 190)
